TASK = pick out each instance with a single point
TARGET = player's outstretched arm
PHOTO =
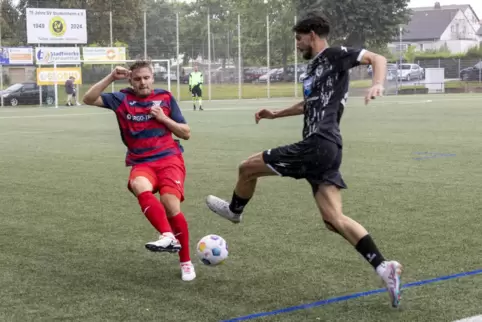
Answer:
(93, 95)
(296, 109)
(379, 65)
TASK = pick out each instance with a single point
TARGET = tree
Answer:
(361, 22)
(194, 28)
(8, 20)
(161, 30)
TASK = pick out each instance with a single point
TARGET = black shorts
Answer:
(315, 159)
(197, 91)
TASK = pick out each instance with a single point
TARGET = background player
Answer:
(71, 91)
(196, 80)
(147, 119)
(317, 158)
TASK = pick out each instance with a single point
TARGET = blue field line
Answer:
(349, 297)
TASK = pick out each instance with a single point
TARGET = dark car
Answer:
(289, 75)
(27, 93)
(473, 73)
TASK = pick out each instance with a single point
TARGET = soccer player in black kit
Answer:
(318, 156)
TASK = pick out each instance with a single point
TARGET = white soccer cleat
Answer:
(187, 271)
(166, 243)
(390, 272)
(221, 207)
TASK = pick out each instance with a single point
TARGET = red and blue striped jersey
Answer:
(146, 139)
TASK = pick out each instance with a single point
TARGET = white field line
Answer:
(476, 318)
(264, 104)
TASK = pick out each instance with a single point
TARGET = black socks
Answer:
(367, 248)
(237, 204)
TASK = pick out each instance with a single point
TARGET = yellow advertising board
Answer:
(46, 75)
(103, 55)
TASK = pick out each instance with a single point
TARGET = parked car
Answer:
(289, 75)
(252, 74)
(163, 76)
(275, 75)
(409, 72)
(391, 71)
(473, 73)
(27, 93)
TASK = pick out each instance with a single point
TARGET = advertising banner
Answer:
(61, 55)
(56, 26)
(46, 75)
(103, 54)
(16, 56)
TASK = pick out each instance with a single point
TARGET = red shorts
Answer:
(166, 175)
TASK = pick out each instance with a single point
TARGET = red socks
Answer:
(179, 225)
(155, 212)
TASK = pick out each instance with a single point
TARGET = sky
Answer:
(476, 4)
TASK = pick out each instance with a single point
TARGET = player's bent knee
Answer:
(245, 168)
(330, 227)
(253, 167)
(171, 203)
(139, 185)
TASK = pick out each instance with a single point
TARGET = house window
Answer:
(453, 29)
(401, 47)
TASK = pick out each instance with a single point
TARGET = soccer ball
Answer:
(212, 250)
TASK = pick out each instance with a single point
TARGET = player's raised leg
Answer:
(141, 183)
(328, 199)
(248, 173)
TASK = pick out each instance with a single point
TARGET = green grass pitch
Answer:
(72, 241)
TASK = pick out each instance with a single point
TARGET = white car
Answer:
(410, 72)
(273, 74)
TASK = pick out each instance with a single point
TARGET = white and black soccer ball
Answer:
(212, 250)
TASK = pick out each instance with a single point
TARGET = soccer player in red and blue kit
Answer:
(147, 119)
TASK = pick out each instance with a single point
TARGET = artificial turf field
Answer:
(72, 241)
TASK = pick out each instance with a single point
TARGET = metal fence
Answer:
(246, 54)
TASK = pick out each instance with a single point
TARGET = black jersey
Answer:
(325, 90)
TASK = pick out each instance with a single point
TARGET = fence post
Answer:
(267, 55)
(209, 54)
(458, 73)
(296, 67)
(178, 72)
(1, 65)
(56, 92)
(240, 94)
(1, 83)
(480, 71)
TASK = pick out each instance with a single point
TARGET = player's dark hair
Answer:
(141, 63)
(313, 21)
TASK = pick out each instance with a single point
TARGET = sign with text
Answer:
(103, 54)
(46, 75)
(56, 26)
(60, 55)
(16, 55)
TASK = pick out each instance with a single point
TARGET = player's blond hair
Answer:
(141, 63)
